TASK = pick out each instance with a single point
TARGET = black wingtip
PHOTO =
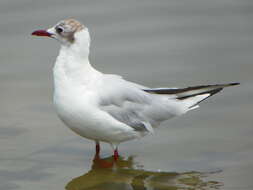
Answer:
(234, 83)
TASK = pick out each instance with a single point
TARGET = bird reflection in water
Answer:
(124, 174)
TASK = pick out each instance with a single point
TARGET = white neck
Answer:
(72, 64)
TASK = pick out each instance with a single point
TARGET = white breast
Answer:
(76, 102)
(76, 98)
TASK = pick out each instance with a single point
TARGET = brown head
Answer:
(65, 31)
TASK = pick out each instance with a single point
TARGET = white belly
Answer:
(76, 103)
(79, 114)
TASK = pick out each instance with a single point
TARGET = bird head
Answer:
(66, 32)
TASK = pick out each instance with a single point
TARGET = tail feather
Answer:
(202, 98)
(192, 95)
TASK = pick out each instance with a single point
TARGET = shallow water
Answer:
(155, 43)
(125, 174)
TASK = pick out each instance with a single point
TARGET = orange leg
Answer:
(97, 148)
(116, 154)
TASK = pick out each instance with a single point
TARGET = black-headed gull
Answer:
(105, 107)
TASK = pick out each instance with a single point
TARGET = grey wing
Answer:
(130, 104)
(129, 116)
(143, 108)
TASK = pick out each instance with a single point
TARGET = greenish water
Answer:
(125, 174)
(155, 43)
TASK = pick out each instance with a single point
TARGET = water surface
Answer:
(155, 43)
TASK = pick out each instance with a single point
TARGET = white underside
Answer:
(85, 119)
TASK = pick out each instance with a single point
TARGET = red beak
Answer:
(41, 33)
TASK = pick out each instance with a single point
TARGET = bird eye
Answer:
(59, 30)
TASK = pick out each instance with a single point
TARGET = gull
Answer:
(105, 107)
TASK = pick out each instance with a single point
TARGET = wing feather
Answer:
(129, 104)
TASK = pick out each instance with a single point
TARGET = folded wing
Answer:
(143, 108)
